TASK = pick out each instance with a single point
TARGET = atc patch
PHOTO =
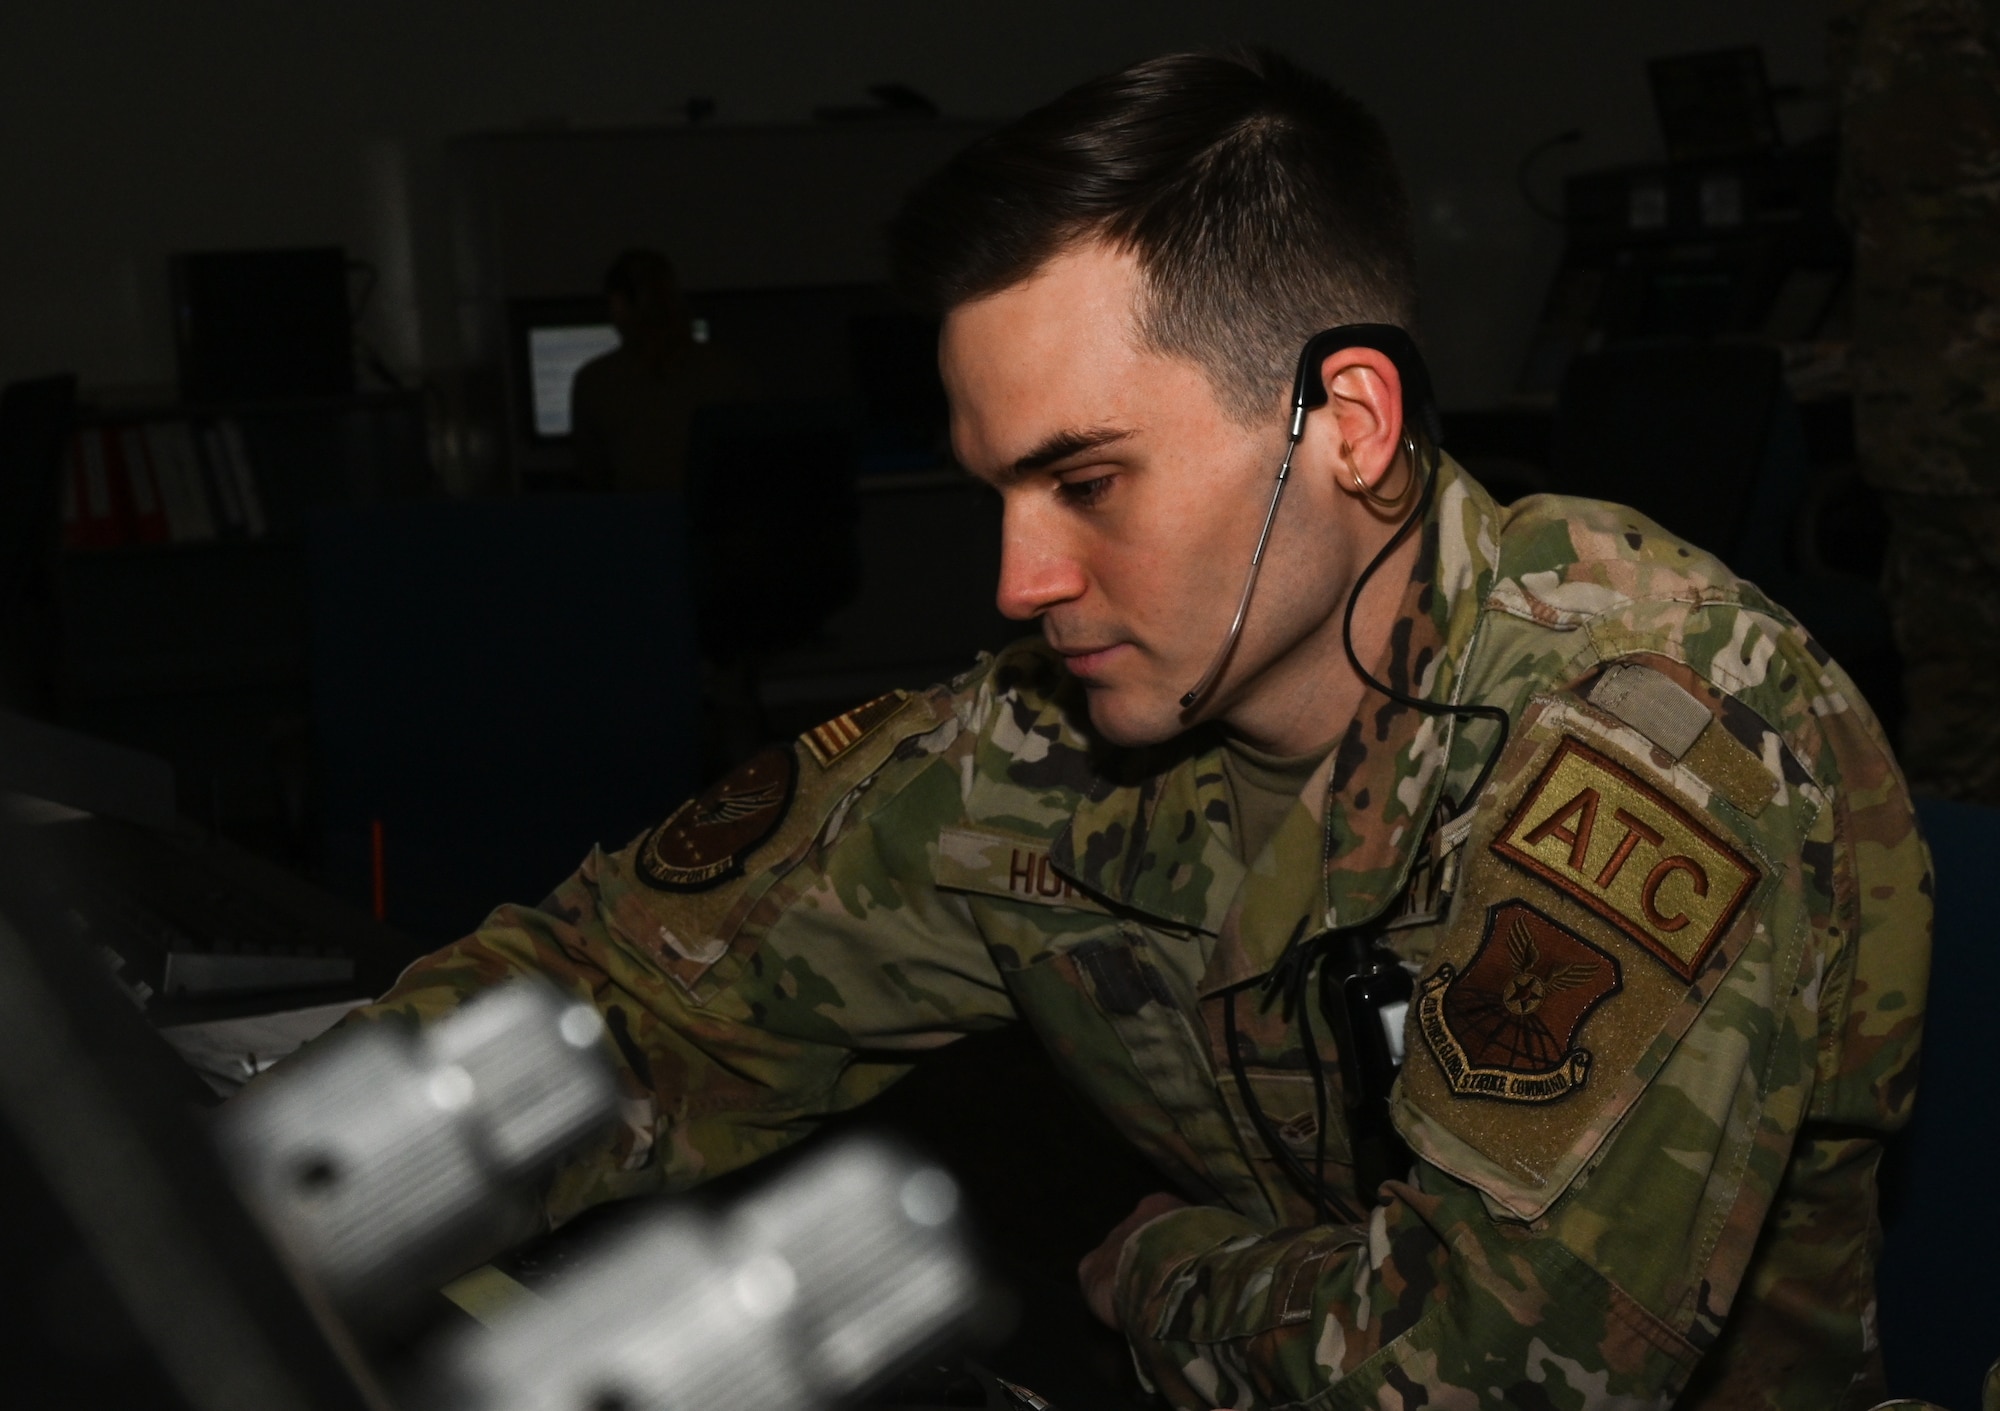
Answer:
(1598, 908)
(704, 841)
(1629, 853)
(827, 743)
(1506, 1028)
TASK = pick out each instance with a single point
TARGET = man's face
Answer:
(1132, 500)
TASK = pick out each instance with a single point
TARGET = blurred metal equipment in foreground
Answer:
(113, 1193)
(387, 1160)
(379, 1164)
(798, 1297)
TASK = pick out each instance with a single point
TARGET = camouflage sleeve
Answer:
(772, 953)
(1693, 1162)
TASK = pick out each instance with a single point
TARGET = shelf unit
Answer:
(198, 651)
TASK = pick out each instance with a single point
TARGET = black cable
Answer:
(1485, 712)
(1330, 1206)
(1313, 1066)
(1289, 979)
(1289, 976)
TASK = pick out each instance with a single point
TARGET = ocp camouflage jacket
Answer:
(1670, 981)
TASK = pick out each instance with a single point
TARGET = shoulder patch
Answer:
(827, 743)
(704, 841)
(1605, 895)
(1507, 1027)
(1625, 850)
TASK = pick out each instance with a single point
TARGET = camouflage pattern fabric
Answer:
(1671, 970)
(1919, 85)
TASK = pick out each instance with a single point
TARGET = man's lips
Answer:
(1089, 663)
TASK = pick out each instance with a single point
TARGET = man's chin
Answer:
(1130, 719)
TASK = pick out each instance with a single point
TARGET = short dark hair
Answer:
(1263, 205)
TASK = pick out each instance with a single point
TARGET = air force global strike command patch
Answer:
(1507, 1027)
(704, 841)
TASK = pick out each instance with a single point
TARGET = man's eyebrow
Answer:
(1064, 444)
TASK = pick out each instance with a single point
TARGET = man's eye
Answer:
(1085, 492)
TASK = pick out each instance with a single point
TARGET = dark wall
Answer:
(136, 130)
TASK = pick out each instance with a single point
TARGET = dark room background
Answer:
(137, 130)
(413, 700)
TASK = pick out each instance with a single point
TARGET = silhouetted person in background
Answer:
(1919, 84)
(631, 407)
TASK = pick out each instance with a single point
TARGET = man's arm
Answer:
(1097, 1271)
(801, 980)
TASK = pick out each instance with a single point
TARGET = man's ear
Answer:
(1360, 429)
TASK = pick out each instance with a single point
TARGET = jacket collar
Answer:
(1162, 839)
(1156, 834)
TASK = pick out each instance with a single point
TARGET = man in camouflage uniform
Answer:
(1668, 932)
(1919, 85)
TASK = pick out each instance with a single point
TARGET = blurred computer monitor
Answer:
(551, 339)
(555, 353)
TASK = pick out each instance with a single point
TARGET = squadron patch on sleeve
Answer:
(1507, 1027)
(1629, 853)
(827, 743)
(704, 841)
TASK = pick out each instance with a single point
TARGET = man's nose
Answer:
(1038, 569)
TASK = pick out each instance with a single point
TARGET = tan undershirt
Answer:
(1264, 788)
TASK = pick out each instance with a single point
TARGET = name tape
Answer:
(973, 861)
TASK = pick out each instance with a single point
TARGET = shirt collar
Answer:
(1163, 843)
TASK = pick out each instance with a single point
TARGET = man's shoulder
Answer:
(1579, 555)
(1591, 581)
(1610, 585)
(1030, 722)
(1009, 727)
(1675, 735)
